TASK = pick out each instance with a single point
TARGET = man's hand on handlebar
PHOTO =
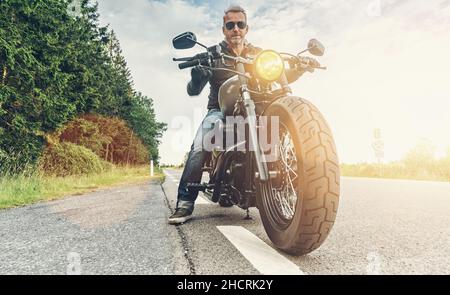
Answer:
(308, 63)
(200, 74)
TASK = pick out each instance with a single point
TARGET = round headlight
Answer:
(269, 65)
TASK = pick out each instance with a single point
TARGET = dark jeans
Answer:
(192, 172)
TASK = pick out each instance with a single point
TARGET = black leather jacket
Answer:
(219, 77)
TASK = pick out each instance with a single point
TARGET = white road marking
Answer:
(263, 257)
(201, 200)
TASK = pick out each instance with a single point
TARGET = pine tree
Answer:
(55, 66)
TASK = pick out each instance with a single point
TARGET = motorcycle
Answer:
(297, 190)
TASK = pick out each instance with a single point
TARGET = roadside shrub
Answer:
(85, 133)
(64, 159)
(108, 137)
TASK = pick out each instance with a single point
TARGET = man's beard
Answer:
(236, 40)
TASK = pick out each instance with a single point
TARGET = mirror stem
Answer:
(307, 49)
(198, 43)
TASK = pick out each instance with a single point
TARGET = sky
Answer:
(388, 65)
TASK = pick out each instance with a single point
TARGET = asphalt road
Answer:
(382, 227)
(115, 231)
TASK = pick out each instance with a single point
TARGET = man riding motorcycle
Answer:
(235, 28)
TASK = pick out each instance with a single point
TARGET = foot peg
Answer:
(198, 187)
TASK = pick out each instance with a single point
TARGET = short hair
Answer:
(234, 8)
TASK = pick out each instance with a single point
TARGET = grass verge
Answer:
(398, 170)
(23, 190)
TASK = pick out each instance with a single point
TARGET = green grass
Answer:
(26, 189)
(437, 171)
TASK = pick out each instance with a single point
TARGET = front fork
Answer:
(250, 112)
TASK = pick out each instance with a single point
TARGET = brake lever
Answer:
(237, 59)
(183, 59)
(310, 68)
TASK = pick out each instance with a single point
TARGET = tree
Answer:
(421, 157)
(55, 66)
(141, 117)
(32, 87)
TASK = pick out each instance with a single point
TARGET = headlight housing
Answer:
(269, 65)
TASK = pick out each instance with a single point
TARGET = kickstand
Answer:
(247, 217)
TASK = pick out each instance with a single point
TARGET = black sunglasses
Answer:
(230, 25)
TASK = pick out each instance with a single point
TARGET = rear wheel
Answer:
(298, 207)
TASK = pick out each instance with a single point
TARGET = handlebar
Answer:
(182, 59)
(309, 64)
(306, 64)
(193, 61)
(189, 64)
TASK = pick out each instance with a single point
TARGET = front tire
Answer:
(299, 208)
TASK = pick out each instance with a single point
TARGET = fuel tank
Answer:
(228, 95)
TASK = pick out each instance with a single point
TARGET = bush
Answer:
(108, 137)
(84, 133)
(64, 159)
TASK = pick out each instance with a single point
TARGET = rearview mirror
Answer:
(315, 47)
(184, 41)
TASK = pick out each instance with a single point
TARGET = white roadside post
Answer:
(378, 147)
(151, 168)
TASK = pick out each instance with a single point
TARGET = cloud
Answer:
(386, 63)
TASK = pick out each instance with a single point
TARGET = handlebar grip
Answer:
(188, 64)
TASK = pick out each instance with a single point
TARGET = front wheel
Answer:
(298, 207)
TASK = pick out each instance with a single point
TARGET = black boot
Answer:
(182, 213)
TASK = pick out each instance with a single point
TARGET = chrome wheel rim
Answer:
(284, 191)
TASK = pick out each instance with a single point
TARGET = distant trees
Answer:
(55, 67)
(110, 138)
(419, 163)
(421, 156)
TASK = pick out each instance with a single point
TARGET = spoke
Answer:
(289, 208)
(285, 207)
(281, 205)
(293, 157)
(290, 211)
(287, 165)
(287, 196)
(287, 171)
(291, 185)
(291, 170)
